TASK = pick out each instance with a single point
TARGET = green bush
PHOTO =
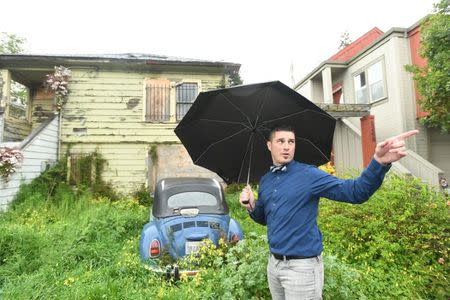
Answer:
(143, 196)
(397, 240)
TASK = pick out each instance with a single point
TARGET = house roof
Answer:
(357, 46)
(31, 68)
(362, 45)
(116, 58)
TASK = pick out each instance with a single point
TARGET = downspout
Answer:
(59, 134)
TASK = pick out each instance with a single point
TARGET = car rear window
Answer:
(191, 199)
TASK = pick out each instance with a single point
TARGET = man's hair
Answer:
(281, 128)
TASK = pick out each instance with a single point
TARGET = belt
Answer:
(288, 257)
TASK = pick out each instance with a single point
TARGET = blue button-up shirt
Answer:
(288, 203)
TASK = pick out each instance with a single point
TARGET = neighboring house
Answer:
(124, 106)
(371, 71)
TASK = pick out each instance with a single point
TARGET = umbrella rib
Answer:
(226, 122)
(261, 107)
(317, 148)
(219, 141)
(297, 113)
(229, 101)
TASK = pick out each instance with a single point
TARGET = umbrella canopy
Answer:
(226, 130)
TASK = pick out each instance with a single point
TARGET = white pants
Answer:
(295, 278)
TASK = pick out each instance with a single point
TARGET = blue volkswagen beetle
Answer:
(185, 212)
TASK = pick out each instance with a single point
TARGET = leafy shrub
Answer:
(143, 196)
(399, 238)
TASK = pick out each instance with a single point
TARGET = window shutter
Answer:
(157, 100)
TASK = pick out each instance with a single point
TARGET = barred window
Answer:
(185, 96)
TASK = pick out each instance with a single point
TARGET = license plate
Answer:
(192, 246)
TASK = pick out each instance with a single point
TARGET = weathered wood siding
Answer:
(40, 150)
(2, 122)
(43, 106)
(106, 112)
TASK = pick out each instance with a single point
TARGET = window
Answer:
(185, 95)
(369, 84)
(191, 199)
(376, 83)
(157, 99)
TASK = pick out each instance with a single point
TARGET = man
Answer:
(288, 200)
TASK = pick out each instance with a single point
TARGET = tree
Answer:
(13, 44)
(10, 43)
(432, 80)
(230, 78)
(345, 40)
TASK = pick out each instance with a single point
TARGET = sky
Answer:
(272, 40)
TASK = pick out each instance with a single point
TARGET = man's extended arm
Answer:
(360, 189)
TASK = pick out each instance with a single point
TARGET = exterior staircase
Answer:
(40, 149)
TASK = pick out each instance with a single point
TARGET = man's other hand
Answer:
(393, 149)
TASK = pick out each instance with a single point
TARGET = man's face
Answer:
(282, 147)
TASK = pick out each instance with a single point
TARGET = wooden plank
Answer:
(132, 132)
(136, 103)
(74, 88)
(107, 93)
(122, 131)
(116, 124)
(120, 139)
(79, 100)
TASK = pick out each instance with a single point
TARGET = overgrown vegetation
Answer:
(60, 243)
(86, 172)
(230, 78)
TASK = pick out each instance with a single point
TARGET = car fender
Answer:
(149, 233)
(234, 227)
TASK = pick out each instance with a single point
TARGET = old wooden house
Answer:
(123, 106)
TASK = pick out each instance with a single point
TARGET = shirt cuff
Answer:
(377, 168)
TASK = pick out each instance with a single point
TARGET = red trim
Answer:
(368, 138)
(416, 59)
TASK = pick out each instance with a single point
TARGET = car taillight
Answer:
(154, 248)
(235, 238)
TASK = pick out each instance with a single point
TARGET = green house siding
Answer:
(105, 113)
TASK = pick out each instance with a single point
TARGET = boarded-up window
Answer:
(186, 94)
(157, 96)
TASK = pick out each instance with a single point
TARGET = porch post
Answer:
(368, 138)
(5, 77)
(327, 85)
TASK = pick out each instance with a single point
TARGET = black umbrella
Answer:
(226, 130)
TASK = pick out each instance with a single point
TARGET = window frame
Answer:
(368, 83)
(178, 84)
